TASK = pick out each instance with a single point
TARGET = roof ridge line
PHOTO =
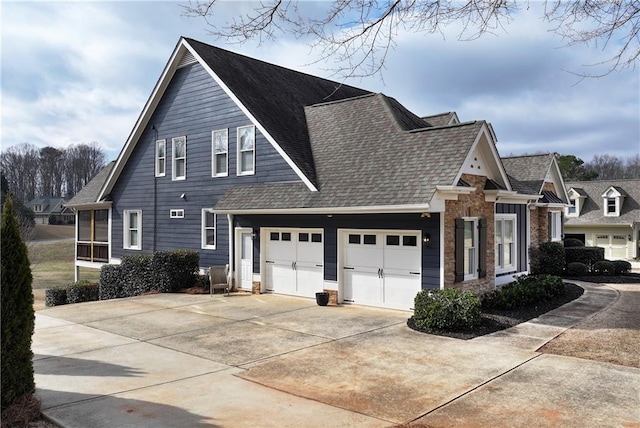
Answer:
(371, 94)
(454, 125)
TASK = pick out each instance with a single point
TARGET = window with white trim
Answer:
(611, 206)
(505, 245)
(572, 209)
(179, 213)
(246, 150)
(161, 158)
(132, 224)
(208, 229)
(470, 248)
(555, 226)
(220, 153)
(179, 158)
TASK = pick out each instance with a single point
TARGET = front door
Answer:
(246, 260)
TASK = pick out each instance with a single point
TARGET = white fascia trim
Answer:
(96, 205)
(450, 193)
(241, 106)
(145, 115)
(551, 205)
(509, 196)
(387, 209)
(558, 176)
(603, 225)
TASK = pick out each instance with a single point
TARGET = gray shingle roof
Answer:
(529, 171)
(364, 158)
(592, 212)
(441, 119)
(276, 97)
(90, 192)
(49, 204)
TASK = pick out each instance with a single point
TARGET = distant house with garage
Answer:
(605, 213)
(52, 208)
(301, 184)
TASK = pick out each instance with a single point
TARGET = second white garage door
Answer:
(294, 261)
(381, 268)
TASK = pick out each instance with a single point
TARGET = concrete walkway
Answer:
(192, 360)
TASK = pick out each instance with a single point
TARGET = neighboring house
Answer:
(605, 214)
(46, 207)
(301, 184)
(540, 174)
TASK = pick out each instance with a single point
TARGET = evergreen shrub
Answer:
(446, 310)
(547, 259)
(82, 291)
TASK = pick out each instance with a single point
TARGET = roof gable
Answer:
(593, 193)
(272, 97)
(532, 171)
(90, 193)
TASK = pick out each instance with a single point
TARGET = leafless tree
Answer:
(20, 167)
(82, 163)
(51, 171)
(358, 34)
(609, 167)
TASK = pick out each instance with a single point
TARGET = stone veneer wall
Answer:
(473, 205)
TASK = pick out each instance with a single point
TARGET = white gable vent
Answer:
(186, 59)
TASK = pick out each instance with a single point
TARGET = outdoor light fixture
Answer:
(183, 196)
(254, 235)
(426, 240)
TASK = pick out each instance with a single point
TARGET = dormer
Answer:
(577, 198)
(613, 199)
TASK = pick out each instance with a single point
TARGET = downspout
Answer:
(231, 247)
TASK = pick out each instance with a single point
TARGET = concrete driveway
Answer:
(192, 360)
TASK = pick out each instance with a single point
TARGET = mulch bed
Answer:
(627, 278)
(493, 320)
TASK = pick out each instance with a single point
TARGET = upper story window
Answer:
(246, 150)
(572, 209)
(219, 153)
(612, 201)
(161, 158)
(179, 170)
(505, 246)
(132, 225)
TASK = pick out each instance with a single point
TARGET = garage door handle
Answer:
(414, 273)
(318, 265)
(269, 261)
(346, 267)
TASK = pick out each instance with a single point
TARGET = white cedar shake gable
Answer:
(483, 159)
(183, 55)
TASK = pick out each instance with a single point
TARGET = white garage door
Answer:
(615, 246)
(381, 268)
(294, 260)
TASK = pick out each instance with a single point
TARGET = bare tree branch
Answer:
(357, 35)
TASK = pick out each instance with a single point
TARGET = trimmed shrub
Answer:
(573, 242)
(448, 310)
(174, 270)
(547, 259)
(136, 274)
(52, 219)
(604, 267)
(110, 282)
(55, 296)
(18, 317)
(82, 291)
(587, 255)
(527, 290)
(621, 267)
(577, 269)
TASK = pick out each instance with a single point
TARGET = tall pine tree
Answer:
(17, 313)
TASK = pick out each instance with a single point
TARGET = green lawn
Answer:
(52, 264)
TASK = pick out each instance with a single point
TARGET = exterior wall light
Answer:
(426, 240)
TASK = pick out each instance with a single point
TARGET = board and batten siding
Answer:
(520, 210)
(193, 105)
(330, 226)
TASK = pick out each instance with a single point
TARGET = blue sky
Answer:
(82, 72)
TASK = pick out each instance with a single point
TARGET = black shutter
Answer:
(459, 250)
(562, 225)
(548, 226)
(482, 248)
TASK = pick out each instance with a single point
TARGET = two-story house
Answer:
(301, 184)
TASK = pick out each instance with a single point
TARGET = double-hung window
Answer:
(161, 158)
(132, 239)
(611, 206)
(246, 150)
(470, 248)
(208, 229)
(505, 244)
(555, 226)
(179, 158)
(220, 153)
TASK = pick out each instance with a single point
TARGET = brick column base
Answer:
(333, 296)
(256, 287)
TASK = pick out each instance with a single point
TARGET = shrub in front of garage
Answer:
(576, 269)
(587, 255)
(603, 267)
(446, 310)
(547, 259)
(175, 270)
(621, 267)
(136, 274)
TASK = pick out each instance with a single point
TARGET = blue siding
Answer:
(193, 105)
(520, 210)
(330, 225)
